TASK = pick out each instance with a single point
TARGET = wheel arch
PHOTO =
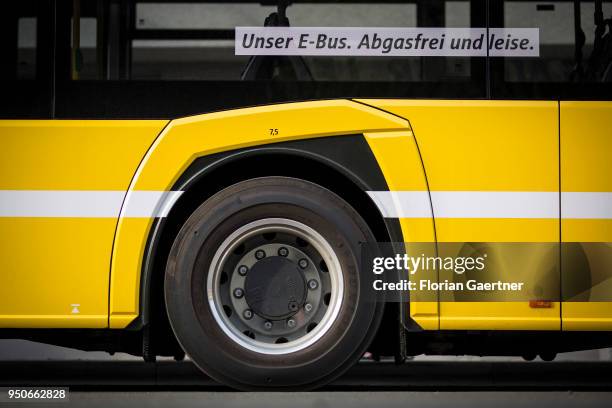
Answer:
(150, 196)
(343, 164)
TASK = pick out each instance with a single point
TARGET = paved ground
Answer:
(335, 399)
(455, 384)
(370, 376)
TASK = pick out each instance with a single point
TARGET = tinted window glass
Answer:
(188, 50)
(214, 59)
(565, 68)
(25, 66)
(26, 48)
(195, 41)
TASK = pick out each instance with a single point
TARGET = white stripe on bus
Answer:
(86, 204)
(493, 204)
(392, 204)
(586, 205)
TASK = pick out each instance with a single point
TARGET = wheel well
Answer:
(340, 181)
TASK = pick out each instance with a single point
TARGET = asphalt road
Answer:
(415, 384)
(328, 399)
(412, 376)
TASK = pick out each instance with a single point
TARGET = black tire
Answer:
(190, 313)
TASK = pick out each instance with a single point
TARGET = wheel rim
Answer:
(262, 267)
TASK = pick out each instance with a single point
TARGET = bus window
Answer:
(188, 50)
(26, 48)
(159, 57)
(84, 53)
(25, 66)
(214, 59)
(566, 66)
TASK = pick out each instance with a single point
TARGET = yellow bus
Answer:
(200, 177)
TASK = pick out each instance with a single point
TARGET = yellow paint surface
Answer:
(586, 165)
(48, 264)
(484, 146)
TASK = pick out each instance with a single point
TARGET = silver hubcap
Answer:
(275, 286)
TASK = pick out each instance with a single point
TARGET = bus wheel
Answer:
(263, 289)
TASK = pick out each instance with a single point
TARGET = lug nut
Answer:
(247, 314)
(260, 254)
(313, 284)
(308, 307)
(242, 270)
(268, 325)
(303, 263)
(291, 323)
(238, 293)
(282, 251)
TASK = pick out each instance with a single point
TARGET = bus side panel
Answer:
(184, 140)
(62, 184)
(482, 148)
(398, 156)
(586, 262)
